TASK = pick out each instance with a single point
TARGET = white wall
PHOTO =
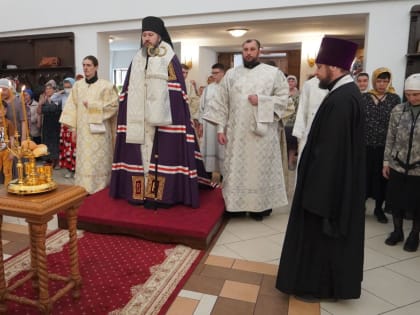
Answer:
(122, 58)
(387, 41)
(34, 15)
(208, 57)
(309, 49)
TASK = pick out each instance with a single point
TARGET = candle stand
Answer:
(32, 178)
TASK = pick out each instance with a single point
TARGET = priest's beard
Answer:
(151, 48)
(324, 82)
(250, 64)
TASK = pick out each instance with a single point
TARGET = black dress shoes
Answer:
(259, 216)
(380, 216)
(394, 238)
(154, 205)
(235, 214)
(135, 202)
(412, 242)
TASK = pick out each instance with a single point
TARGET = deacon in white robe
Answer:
(247, 110)
(212, 151)
(90, 111)
(311, 97)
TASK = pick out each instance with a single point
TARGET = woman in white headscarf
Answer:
(402, 164)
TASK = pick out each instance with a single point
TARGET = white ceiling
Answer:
(282, 34)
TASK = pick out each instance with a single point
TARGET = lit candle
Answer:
(15, 121)
(6, 137)
(22, 99)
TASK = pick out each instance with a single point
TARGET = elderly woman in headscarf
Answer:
(402, 164)
(67, 157)
(34, 119)
(378, 103)
(292, 145)
(50, 108)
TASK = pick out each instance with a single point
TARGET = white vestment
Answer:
(94, 150)
(148, 104)
(311, 97)
(253, 173)
(193, 100)
(211, 150)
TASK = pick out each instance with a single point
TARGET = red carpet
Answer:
(120, 274)
(179, 224)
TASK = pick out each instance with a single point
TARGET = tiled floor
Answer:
(238, 274)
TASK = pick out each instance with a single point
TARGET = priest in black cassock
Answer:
(322, 256)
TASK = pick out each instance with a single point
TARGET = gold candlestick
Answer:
(15, 121)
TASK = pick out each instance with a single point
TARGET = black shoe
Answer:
(267, 212)
(394, 238)
(412, 242)
(236, 214)
(154, 205)
(135, 202)
(380, 216)
(257, 216)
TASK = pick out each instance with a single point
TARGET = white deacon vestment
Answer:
(253, 173)
(211, 150)
(310, 98)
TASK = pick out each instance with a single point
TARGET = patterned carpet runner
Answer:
(120, 274)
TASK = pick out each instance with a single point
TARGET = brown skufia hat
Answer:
(336, 52)
(155, 24)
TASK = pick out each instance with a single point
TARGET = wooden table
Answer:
(38, 210)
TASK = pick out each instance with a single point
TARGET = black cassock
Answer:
(323, 249)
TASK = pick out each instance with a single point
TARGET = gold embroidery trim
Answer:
(151, 187)
(171, 72)
(138, 187)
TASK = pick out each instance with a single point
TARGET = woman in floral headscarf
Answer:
(379, 103)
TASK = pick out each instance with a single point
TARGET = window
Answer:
(119, 77)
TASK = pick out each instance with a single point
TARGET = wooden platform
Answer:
(182, 225)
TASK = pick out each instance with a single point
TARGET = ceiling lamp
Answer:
(237, 32)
